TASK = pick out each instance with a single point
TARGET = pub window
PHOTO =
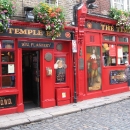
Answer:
(109, 54)
(123, 39)
(93, 61)
(60, 67)
(50, 1)
(123, 54)
(7, 63)
(109, 38)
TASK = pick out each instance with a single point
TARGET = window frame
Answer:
(125, 4)
(116, 43)
(2, 63)
(56, 1)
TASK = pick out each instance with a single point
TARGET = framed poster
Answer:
(117, 76)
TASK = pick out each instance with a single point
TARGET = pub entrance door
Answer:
(31, 83)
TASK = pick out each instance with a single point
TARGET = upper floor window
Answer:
(50, 1)
(121, 4)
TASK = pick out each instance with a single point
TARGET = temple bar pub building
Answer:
(35, 71)
(103, 50)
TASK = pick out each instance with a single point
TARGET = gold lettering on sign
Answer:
(40, 32)
(1, 102)
(5, 101)
(107, 27)
(10, 30)
(30, 32)
(103, 26)
(21, 31)
(16, 31)
(48, 34)
(9, 101)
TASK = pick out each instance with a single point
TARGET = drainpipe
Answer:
(74, 70)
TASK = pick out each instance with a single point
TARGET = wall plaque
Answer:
(48, 56)
(29, 44)
(81, 64)
(117, 76)
(7, 101)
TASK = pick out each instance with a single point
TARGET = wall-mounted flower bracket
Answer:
(122, 17)
(52, 17)
(7, 8)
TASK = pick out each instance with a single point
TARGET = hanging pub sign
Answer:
(29, 44)
(7, 101)
(104, 27)
(18, 31)
(117, 76)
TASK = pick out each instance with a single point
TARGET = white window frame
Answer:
(49, 1)
(125, 5)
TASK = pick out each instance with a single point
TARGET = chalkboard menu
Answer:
(61, 70)
(117, 76)
(7, 101)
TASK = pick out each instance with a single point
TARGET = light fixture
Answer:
(90, 4)
(29, 13)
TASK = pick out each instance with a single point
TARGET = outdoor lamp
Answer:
(28, 13)
(90, 4)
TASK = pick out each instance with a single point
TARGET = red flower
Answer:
(53, 14)
(58, 10)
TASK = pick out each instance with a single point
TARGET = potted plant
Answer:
(7, 8)
(122, 17)
(51, 16)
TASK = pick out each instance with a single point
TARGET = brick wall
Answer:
(103, 6)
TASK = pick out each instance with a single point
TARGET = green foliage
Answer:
(52, 17)
(122, 17)
(7, 8)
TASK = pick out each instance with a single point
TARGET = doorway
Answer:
(31, 82)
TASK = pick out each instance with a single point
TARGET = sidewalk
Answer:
(39, 114)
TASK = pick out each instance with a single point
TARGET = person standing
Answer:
(127, 72)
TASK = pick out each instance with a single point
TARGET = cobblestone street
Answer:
(114, 116)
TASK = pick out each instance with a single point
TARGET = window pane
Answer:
(8, 69)
(108, 38)
(122, 51)
(109, 54)
(7, 56)
(60, 67)
(123, 39)
(93, 68)
(8, 81)
(8, 44)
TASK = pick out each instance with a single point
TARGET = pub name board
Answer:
(7, 101)
(18, 31)
(104, 27)
(28, 44)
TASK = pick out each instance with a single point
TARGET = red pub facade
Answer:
(34, 70)
(103, 48)
(37, 71)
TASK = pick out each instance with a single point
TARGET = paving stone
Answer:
(39, 117)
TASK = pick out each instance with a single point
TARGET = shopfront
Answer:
(105, 49)
(35, 71)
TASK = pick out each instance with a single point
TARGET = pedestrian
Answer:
(127, 72)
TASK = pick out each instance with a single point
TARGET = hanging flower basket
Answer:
(7, 8)
(52, 17)
(122, 17)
